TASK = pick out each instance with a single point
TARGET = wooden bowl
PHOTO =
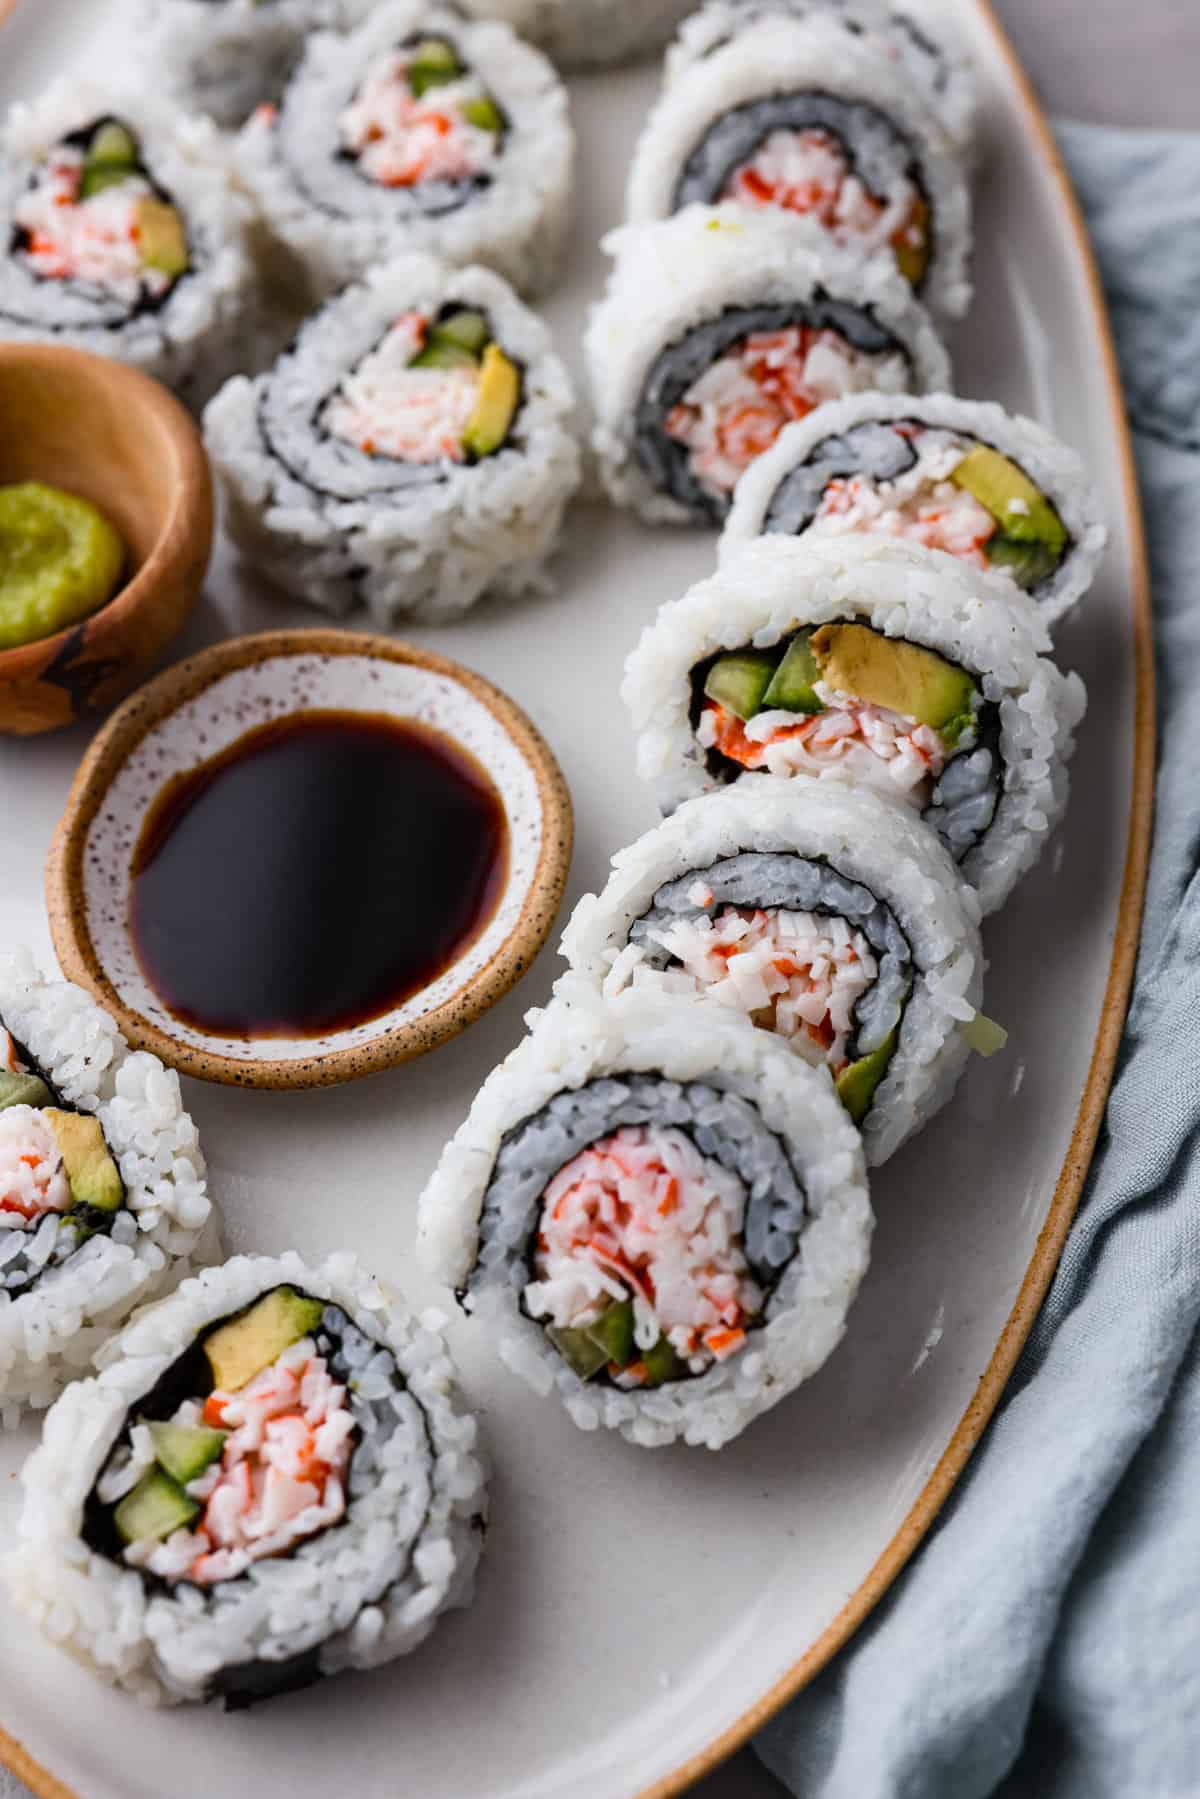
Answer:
(195, 711)
(113, 436)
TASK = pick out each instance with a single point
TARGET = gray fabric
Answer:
(1046, 1642)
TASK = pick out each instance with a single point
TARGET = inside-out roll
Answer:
(824, 912)
(587, 33)
(719, 328)
(962, 476)
(868, 659)
(411, 449)
(272, 1480)
(800, 116)
(420, 130)
(103, 1201)
(666, 1225)
(120, 234)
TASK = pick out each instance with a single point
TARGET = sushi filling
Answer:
(930, 486)
(718, 400)
(423, 120)
(93, 216)
(846, 698)
(59, 1184)
(842, 164)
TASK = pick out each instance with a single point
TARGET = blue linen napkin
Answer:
(1046, 1642)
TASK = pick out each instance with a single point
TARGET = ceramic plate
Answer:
(637, 1613)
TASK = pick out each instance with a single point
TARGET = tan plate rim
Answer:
(1095, 1094)
(146, 708)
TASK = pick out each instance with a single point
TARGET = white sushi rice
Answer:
(206, 326)
(674, 275)
(335, 225)
(578, 1038)
(50, 1331)
(427, 550)
(1051, 464)
(980, 621)
(588, 33)
(856, 835)
(405, 1552)
(782, 56)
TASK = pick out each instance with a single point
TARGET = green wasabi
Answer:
(60, 561)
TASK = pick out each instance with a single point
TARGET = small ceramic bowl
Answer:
(113, 436)
(197, 709)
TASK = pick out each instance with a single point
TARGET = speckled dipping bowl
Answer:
(203, 705)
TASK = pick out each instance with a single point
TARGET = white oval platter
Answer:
(638, 1614)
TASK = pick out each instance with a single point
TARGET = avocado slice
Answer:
(857, 1084)
(484, 114)
(440, 354)
(434, 64)
(239, 1350)
(162, 237)
(613, 1332)
(22, 1090)
(184, 1451)
(94, 1177)
(112, 156)
(912, 259)
(496, 407)
(469, 330)
(580, 1350)
(902, 677)
(662, 1364)
(740, 681)
(791, 688)
(1021, 508)
(157, 1507)
(1028, 563)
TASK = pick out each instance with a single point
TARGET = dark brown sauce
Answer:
(315, 874)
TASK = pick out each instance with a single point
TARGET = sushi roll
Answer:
(869, 660)
(120, 234)
(103, 1203)
(962, 476)
(586, 33)
(655, 1211)
(822, 911)
(419, 131)
(719, 328)
(272, 1480)
(799, 116)
(225, 57)
(906, 32)
(411, 449)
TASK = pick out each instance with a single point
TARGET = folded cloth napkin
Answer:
(1045, 1644)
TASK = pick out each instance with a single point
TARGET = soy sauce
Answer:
(315, 874)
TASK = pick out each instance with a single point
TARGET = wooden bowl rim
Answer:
(177, 534)
(146, 709)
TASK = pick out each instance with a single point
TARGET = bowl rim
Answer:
(177, 686)
(185, 521)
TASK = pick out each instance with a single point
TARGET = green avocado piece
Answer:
(239, 1350)
(496, 407)
(434, 64)
(184, 1451)
(439, 354)
(94, 1177)
(791, 688)
(484, 114)
(662, 1364)
(856, 1084)
(161, 237)
(99, 175)
(613, 1333)
(740, 681)
(580, 1350)
(156, 1508)
(1028, 563)
(902, 677)
(468, 330)
(60, 561)
(22, 1090)
(1021, 508)
(112, 157)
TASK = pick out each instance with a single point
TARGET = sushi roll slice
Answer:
(868, 660)
(410, 450)
(587, 33)
(120, 234)
(962, 476)
(719, 328)
(799, 116)
(822, 911)
(103, 1203)
(656, 1211)
(225, 57)
(420, 130)
(907, 32)
(272, 1480)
